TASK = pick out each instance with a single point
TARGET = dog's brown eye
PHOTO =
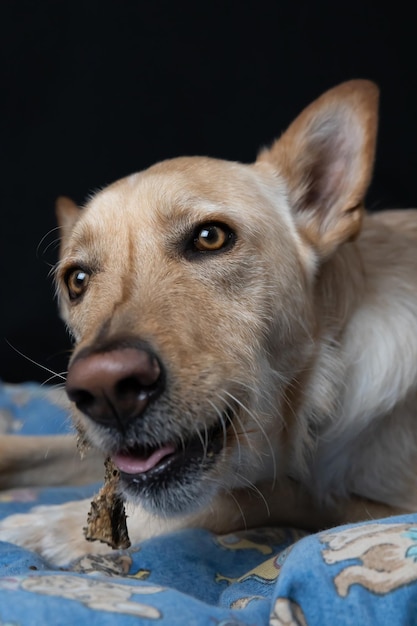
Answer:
(76, 281)
(212, 237)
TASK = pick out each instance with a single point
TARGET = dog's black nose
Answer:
(114, 386)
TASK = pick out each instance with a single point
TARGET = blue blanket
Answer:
(357, 574)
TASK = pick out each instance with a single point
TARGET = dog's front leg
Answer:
(56, 532)
(286, 503)
(282, 503)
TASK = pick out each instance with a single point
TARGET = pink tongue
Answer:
(130, 464)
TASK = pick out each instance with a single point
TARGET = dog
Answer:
(245, 338)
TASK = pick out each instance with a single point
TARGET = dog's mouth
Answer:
(152, 472)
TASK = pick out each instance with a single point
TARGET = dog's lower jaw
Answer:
(182, 501)
(175, 479)
(172, 492)
(172, 477)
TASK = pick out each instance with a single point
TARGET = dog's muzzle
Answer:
(113, 387)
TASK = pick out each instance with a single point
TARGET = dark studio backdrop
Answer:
(95, 90)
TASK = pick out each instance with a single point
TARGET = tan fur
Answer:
(52, 460)
(306, 326)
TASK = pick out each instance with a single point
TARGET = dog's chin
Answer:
(172, 479)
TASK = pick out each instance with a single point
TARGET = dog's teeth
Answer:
(131, 464)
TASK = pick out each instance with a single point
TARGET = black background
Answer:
(94, 90)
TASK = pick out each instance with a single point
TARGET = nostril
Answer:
(82, 398)
(134, 387)
(129, 386)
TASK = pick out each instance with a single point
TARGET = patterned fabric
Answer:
(357, 574)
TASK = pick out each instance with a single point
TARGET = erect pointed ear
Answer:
(67, 214)
(326, 158)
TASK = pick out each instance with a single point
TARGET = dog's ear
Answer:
(326, 157)
(67, 214)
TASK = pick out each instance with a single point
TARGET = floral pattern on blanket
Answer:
(357, 574)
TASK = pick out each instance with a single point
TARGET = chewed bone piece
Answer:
(106, 521)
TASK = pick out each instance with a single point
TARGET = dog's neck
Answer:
(347, 392)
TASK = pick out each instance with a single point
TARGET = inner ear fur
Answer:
(326, 158)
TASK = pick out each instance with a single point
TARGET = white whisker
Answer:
(227, 492)
(57, 375)
(43, 239)
(254, 488)
(54, 242)
(241, 512)
(261, 429)
(47, 369)
(222, 422)
(233, 427)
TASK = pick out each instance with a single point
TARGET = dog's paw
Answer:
(55, 532)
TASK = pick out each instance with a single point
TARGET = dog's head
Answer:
(190, 291)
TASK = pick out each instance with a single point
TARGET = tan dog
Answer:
(246, 337)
